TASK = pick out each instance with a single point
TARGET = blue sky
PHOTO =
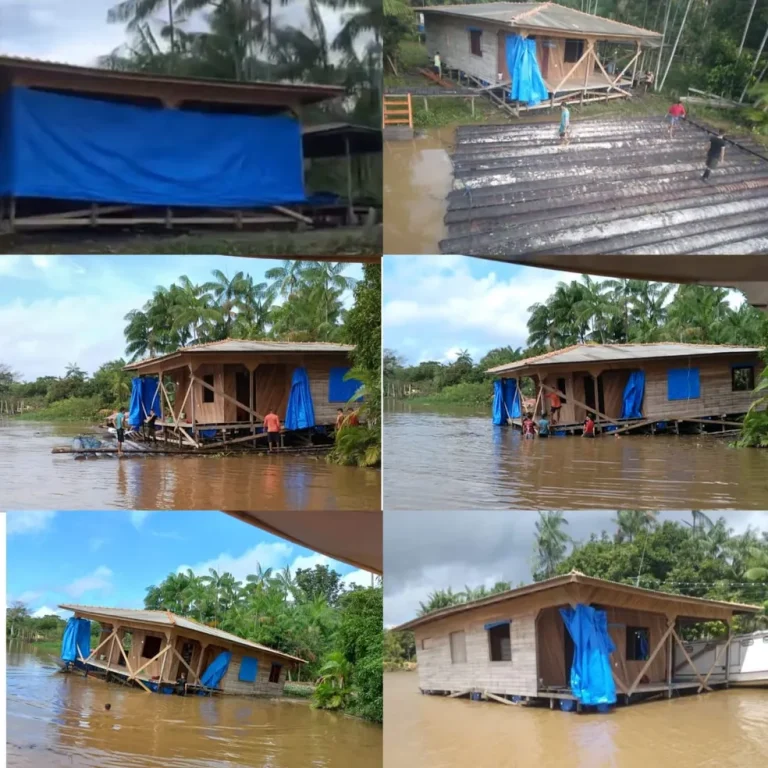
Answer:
(60, 309)
(434, 306)
(110, 558)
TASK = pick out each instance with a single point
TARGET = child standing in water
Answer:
(529, 428)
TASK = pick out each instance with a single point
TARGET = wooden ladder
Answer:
(398, 110)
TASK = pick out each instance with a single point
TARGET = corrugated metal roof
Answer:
(621, 187)
(249, 346)
(549, 16)
(612, 353)
(166, 618)
(574, 577)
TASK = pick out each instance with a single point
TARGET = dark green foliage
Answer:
(320, 582)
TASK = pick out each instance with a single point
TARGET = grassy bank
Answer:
(71, 409)
(329, 242)
(299, 690)
(465, 393)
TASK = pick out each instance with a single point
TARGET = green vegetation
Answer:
(583, 311)
(44, 631)
(309, 614)
(700, 558)
(361, 445)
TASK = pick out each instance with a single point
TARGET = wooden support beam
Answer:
(456, 694)
(627, 427)
(247, 438)
(728, 655)
(723, 649)
(132, 676)
(191, 671)
(229, 398)
(670, 664)
(584, 55)
(154, 658)
(690, 661)
(293, 214)
(97, 648)
(583, 405)
(181, 432)
(500, 699)
(612, 86)
(644, 669)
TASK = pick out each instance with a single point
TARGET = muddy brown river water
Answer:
(726, 729)
(31, 477)
(456, 459)
(57, 720)
(418, 176)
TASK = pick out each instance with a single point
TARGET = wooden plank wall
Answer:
(557, 68)
(717, 396)
(550, 643)
(438, 673)
(272, 387)
(261, 686)
(138, 637)
(451, 38)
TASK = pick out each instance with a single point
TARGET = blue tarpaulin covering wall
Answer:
(341, 390)
(300, 413)
(591, 678)
(527, 83)
(506, 401)
(632, 402)
(145, 397)
(216, 670)
(74, 148)
(77, 636)
(683, 384)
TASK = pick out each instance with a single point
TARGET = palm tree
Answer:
(632, 522)
(551, 542)
(287, 278)
(441, 598)
(73, 371)
(228, 297)
(137, 11)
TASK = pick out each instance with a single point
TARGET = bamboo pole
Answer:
(670, 665)
(728, 657)
(754, 66)
(182, 433)
(677, 41)
(644, 669)
(661, 47)
(746, 27)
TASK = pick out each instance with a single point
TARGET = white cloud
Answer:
(28, 597)
(95, 544)
(273, 555)
(27, 522)
(138, 518)
(99, 580)
(360, 577)
(46, 611)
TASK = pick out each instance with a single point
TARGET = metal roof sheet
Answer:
(249, 346)
(604, 353)
(166, 618)
(550, 16)
(574, 577)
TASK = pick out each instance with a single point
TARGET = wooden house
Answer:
(154, 649)
(636, 386)
(223, 389)
(95, 147)
(473, 39)
(514, 646)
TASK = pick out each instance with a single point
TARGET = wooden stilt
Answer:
(728, 657)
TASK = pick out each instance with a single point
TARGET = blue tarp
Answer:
(341, 390)
(527, 82)
(145, 397)
(300, 413)
(77, 635)
(216, 670)
(505, 394)
(249, 668)
(632, 403)
(683, 384)
(74, 148)
(591, 678)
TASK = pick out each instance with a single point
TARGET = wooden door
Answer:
(272, 386)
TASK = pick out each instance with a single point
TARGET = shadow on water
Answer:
(34, 478)
(57, 720)
(724, 729)
(418, 175)
(459, 460)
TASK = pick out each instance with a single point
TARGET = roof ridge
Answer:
(530, 12)
(596, 16)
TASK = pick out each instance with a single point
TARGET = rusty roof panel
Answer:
(620, 187)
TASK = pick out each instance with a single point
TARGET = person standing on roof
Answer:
(565, 125)
(675, 114)
(715, 154)
(438, 65)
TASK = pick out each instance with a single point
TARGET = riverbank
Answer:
(80, 409)
(464, 394)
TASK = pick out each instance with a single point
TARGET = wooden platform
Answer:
(652, 426)
(595, 82)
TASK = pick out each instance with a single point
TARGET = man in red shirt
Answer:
(675, 114)
(272, 425)
(589, 427)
